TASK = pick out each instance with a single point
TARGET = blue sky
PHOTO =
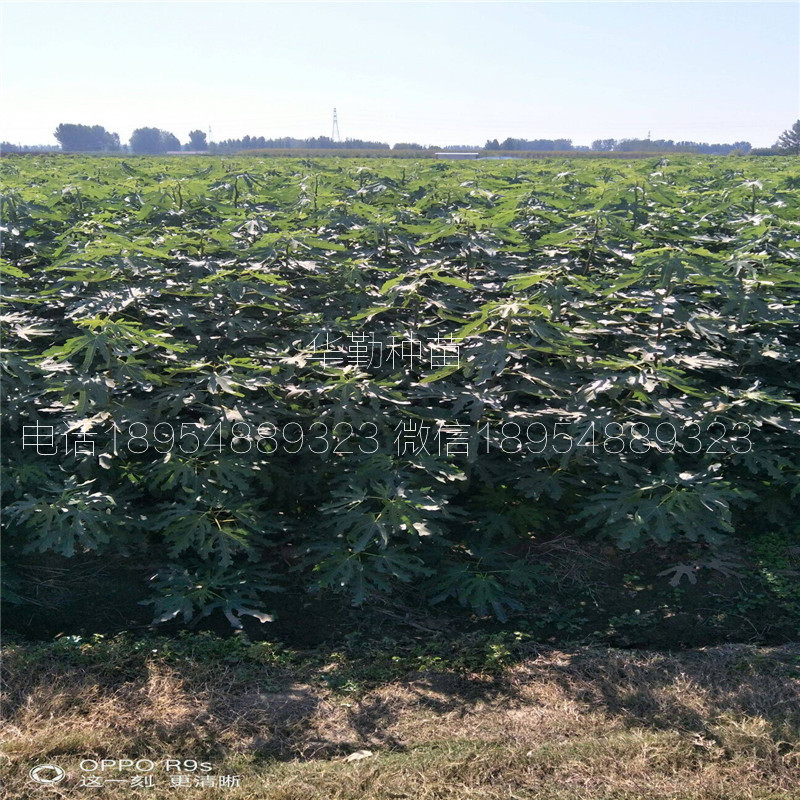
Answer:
(433, 72)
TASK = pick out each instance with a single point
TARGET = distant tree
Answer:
(146, 140)
(604, 145)
(85, 138)
(789, 140)
(197, 141)
(492, 144)
(407, 146)
(171, 141)
(153, 140)
(669, 146)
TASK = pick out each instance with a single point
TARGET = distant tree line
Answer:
(667, 146)
(290, 143)
(96, 139)
(617, 145)
(412, 146)
(10, 147)
(531, 144)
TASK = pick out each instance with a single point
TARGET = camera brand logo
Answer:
(47, 774)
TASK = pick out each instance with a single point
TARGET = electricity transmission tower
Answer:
(335, 131)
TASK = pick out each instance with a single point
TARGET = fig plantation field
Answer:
(403, 383)
(411, 443)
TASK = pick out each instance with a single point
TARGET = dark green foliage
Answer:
(180, 310)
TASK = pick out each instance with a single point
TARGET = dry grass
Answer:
(713, 724)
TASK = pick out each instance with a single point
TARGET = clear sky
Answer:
(432, 72)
